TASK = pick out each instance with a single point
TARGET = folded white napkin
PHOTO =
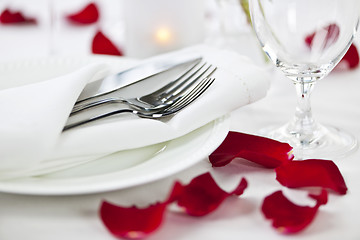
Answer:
(33, 115)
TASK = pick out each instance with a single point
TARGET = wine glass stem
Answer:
(303, 125)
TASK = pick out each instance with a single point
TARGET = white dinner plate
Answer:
(127, 168)
(119, 170)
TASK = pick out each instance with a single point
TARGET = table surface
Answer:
(335, 101)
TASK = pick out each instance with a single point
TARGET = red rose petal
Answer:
(311, 173)
(132, 222)
(264, 151)
(102, 45)
(332, 32)
(352, 57)
(350, 60)
(87, 15)
(202, 195)
(288, 217)
(9, 17)
(321, 199)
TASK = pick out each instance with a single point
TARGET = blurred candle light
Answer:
(163, 36)
(157, 26)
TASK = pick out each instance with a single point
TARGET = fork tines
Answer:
(193, 94)
(198, 72)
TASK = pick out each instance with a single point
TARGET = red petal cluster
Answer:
(288, 217)
(88, 15)
(102, 45)
(311, 173)
(9, 17)
(264, 151)
(200, 197)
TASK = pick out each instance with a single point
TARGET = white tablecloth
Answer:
(336, 101)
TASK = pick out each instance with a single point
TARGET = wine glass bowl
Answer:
(306, 39)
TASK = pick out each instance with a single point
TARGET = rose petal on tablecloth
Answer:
(15, 17)
(288, 217)
(350, 60)
(264, 151)
(311, 173)
(132, 222)
(202, 195)
(88, 15)
(198, 198)
(102, 45)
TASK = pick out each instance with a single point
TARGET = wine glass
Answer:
(305, 39)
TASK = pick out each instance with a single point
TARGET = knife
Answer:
(135, 74)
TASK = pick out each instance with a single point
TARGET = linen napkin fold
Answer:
(238, 82)
(33, 116)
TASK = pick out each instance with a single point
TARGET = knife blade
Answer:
(135, 74)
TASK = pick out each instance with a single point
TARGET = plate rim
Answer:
(219, 131)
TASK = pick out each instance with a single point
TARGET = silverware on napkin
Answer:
(173, 106)
(133, 75)
(165, 101)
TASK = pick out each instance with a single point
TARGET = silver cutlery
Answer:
(191, 95)
(144, 70)
(160, 98)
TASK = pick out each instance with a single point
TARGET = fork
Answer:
(160, 98)
(186, 99)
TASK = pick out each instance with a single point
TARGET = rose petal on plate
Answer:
(264, 151)
(324, 37)
(15, 17)
(202, 195)
(102, 45)
(311, 173)
(132, 222)
(288, 217)
(88, 15)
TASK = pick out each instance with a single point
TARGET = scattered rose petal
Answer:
(350, 60)
(311, 173)
(16, 17)
(202, 195)
(102, 45)
(288, 217)
(132, 222)
(324, 37)
(87, 15)
(264, 151)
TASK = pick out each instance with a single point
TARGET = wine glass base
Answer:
(326, 143)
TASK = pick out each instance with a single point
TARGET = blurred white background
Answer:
(139, 28)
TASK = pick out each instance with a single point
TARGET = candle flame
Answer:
(163, 35)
